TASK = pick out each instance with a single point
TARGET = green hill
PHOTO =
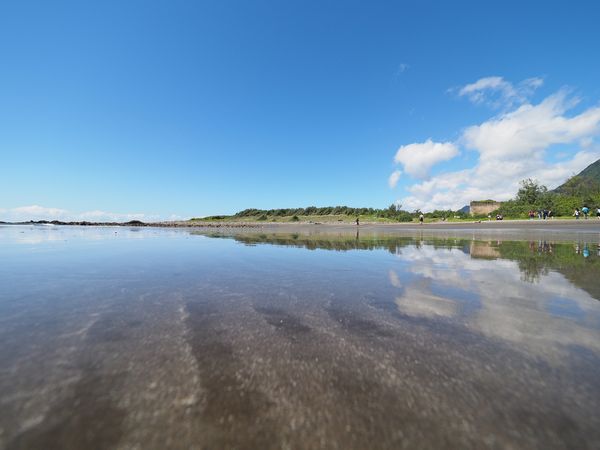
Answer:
(586, 182)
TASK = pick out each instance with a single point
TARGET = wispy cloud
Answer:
(36, 212)
(510, 147)
(497, 92)
(394, 177)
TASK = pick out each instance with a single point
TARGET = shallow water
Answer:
(152, 338)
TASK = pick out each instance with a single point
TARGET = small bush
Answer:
(404, 216)
(295, 218)
(263, 217)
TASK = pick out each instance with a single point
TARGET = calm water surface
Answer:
(151, 338)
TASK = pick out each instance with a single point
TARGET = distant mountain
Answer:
(585, 182)
(465, 209)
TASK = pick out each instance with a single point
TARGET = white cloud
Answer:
(418, 158)
(99, 216)
(511, 147)
(532, 128)
(532, 83)
(497, 92)
(36, 212)
(394, 177)
(483, 84)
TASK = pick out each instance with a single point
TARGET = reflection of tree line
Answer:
(579, 262)
(342, 242)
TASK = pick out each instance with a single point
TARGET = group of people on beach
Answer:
(585, 211)
(542, 214)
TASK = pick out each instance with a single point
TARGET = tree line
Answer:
(575, 193)
(533, 196)
(393, 212)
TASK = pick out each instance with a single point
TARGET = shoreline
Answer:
(496, 224)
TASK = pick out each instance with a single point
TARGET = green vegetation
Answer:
(578, 191)
(344, 214)
(588, 180)
(575, 193)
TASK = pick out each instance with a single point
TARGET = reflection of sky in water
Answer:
(470, 283)
(491, 296)
(162, 330)
(47, 233)
(565, 307)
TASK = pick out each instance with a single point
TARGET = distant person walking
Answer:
(421, 217)
(576, 213)
(357, 224)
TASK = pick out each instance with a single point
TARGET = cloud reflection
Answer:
(510, 308)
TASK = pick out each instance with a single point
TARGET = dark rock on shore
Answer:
(138, 223)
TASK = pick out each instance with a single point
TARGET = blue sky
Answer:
(145, 109)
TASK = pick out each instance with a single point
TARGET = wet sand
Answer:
(556, 224)
(253, 348)
(560, 230)
(559, 225)
(192, 374)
